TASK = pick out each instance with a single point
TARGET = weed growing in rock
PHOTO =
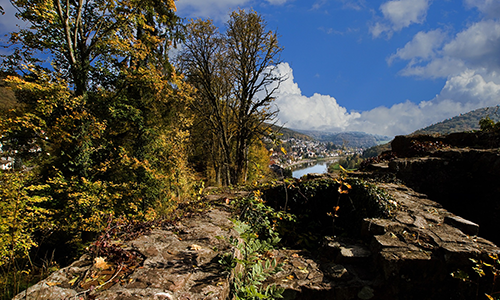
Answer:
(262, 219)
(253, 263)
(488, 269)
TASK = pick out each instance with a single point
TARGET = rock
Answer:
(410, 256)
(337, 272)
(366, 293)
(460, 171)
(350, 254)
(464, 225)
(181, 265)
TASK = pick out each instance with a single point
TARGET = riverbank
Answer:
(310, 161)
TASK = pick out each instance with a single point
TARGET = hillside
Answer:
(376, 150)
(348, 139)
(461, 123)
(287, 133)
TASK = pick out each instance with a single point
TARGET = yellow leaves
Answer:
(100, 263)
(335, 210)
(257, 193)
(283, 150)
(20, 215)
(344, 186)
(72, 281)
(50, 283)
(171, 5)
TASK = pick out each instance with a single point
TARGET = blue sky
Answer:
(382, 67)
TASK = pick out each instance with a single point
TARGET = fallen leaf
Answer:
(100, 263)
(295, 255)
(52, 283)
(72, 281)
(195, 247)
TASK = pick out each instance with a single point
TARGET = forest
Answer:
(104, 125)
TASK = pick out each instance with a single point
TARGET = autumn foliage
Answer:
(104, 127)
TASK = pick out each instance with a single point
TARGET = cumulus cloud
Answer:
(478, 45)
(422, 47)
(399, 14)
(315, 112)
(462, 93)
(490, 8)
(434, 55)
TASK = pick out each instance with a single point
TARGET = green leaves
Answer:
(257, 230)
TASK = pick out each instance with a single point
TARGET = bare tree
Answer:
(253, 54)
(235, 76)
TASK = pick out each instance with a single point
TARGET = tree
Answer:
(105, 125)
(203, 59)
(235, 76)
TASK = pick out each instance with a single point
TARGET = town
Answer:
(296, 151)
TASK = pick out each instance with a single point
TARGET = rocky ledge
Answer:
(180, 262)
(409, 256)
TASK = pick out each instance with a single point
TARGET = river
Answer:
(314, 167)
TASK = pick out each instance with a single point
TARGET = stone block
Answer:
(466, 226)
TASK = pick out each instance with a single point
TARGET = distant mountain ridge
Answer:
(464, 122)
(287, 133)
(352, 139)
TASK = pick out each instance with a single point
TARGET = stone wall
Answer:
(408, 256)
(462, 173)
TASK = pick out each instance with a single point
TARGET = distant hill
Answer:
(287, 133)
(349, 139)
(463, 122)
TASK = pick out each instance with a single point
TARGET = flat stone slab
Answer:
(464, 225)
(180, 263)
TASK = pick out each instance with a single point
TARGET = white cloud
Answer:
(378, 28)
(478, 45)
(315, 112)
(429, 56)
(319, 4)
(402, 13)
(441, 67)
(399, 14)
(462, 93)
(490, 8)
(422, 47)
(8, 21)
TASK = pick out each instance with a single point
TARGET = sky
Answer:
(381, 67)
